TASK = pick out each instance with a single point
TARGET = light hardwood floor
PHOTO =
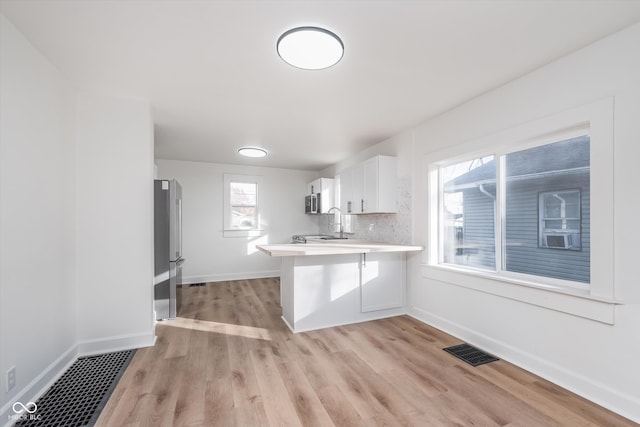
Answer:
(229, 360)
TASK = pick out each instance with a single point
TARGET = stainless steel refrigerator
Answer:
(168, 248)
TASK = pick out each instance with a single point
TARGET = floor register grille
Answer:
(78, 397)
(470, 354)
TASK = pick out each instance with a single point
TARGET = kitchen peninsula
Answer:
(337, 282)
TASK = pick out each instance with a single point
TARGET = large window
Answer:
(526, 213)
(242, 197)
(521, 212)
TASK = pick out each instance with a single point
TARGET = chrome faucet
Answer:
(340, 220)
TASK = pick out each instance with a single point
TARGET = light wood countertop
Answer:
(334, 247)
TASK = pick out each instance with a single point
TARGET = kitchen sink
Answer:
(304, 238)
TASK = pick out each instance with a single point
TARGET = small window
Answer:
(244, 205)
(560, 220)
(241, 205)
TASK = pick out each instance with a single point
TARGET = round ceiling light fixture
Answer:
(252, 152)
(310, 48)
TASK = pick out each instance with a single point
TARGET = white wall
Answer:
(76, 265)
(595, 360)
(115, 220)
(212, 257)
(37, 213)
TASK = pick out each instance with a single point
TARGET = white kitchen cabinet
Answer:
(380, 184)
(324, 187)
(320, 291)
(382, 281)
(330, 290)
(369, 186)
(352, 189)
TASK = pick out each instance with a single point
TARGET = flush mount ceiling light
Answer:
(310, 48)
(252, 152)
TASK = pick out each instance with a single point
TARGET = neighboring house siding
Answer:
(522, 252)
(479, 229)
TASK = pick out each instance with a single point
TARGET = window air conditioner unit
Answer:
(558, 241)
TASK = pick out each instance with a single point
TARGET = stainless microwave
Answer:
(312, 204)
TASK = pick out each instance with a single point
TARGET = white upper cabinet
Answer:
(352, 189)
(325, 188)
(380, 185)
(370, 186)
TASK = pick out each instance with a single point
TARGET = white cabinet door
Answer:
(380, 185)
(382, 281)
(345, 191)
(352, 189)
(369, 187)
(326, 190)
(314, 186)
(358, 188)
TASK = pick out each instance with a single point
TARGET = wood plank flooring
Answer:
(229, 360)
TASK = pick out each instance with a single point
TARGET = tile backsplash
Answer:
(391, 228)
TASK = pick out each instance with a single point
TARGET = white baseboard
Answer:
(395, 313)
(626, 405)
(187, 280)
(45, 380)
(118, 343)
(39, 385)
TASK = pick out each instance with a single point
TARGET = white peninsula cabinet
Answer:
(323, 285)
(369, 186)
(382, 281)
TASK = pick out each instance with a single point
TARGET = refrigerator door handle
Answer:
(179, 229)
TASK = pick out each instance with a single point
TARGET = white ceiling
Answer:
(212, 75)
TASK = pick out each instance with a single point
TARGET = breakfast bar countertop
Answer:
(334, 247)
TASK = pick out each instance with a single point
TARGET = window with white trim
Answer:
(242, 200)
(524, 212)
(587, 289)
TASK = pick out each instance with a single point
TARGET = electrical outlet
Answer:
(11, 378)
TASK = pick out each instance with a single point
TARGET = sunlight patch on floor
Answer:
(220, 328)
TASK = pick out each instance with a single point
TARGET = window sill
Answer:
(242, 233)
(576, 302)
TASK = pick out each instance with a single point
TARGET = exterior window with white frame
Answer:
(242, 197)
(524, 212)
(244, 205)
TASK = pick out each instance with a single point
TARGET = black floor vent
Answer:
(78, 397)
(197, 284)
(470, 354)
